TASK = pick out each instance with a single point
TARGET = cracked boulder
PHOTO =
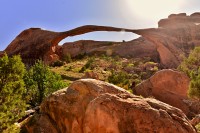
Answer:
(92, 106)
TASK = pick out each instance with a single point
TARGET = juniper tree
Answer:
(40, 82)
(191, 66)
(12, 104)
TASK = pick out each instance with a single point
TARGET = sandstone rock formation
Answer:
(35, 43)
(92, 106)
(174, 38)
(170, 87)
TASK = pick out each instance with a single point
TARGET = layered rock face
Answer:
(92, 106)
(170, 87)
(167, 44)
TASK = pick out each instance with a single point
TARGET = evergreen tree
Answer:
(12, 105)
(40, 82)
(191, 66)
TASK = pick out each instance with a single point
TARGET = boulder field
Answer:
(93, 106)
(167, 44)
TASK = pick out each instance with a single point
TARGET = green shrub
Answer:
(120, 79)
(194, 90)
(137, 81)
(12, 104)
(106, 57)
(135, 76)
(40, 82)
(80, 56)
(88, 65)
(152, 63)
(198, 127)
(67, 58)
(130, 65)
(82, 69)
(191, 63)
(57, 63)
(191, 66)
(68, 68)
(155, 68)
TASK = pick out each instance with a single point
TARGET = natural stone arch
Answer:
(36, 43)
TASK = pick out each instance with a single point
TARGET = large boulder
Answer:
(171, 87)
(131, 114)
(89, 106)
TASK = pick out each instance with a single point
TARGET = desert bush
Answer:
(67, 58)
(120, 79)
(155, 69)
(130, 65)
(80, 56)
(135, 76)
(106, 57)
(82, 69)
(57, 63)
(198, 127)
(194, 90)
(88, 65)
(151, 63)
(68, 68)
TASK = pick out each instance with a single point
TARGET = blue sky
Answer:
(61, 15)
